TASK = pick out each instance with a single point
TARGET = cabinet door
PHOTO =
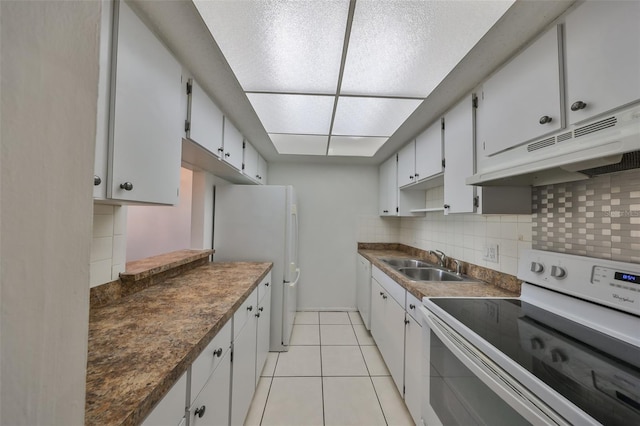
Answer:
(232, 145)
(413, 368)
(244, 370)
(171, 408)
(262, 170)
(602, 57)
(514, 102)
(388, 331)
(459, 155)
(264, 327)
(205, 120)
(363, 290)
(388, 187)
(211, 408)
(146, 122)
(407, 164)
(429, 152)
(250, 163)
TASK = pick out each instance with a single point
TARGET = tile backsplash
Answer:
(109, 244)
(598, 217)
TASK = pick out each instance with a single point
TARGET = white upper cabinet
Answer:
(263, 169)
(205, 120)
(407, 164)
(146, 124)
(522, 101)
(232, 145)
(459, 156)
(429, 152)
(250, 163)
(388, 187)
(602, 57)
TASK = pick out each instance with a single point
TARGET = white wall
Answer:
(153, 230)
(332, 199)
(49, 82)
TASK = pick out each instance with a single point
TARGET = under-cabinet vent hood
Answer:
(605, 145)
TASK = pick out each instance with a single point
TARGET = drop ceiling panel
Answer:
(280, 46)
(371, 116)
(304, 114)
(406, 48)
(355, 146)
(300, 144)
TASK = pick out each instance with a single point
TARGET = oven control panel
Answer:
(615, 284)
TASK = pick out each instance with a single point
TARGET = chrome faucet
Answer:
(440, 255)
(458, 267)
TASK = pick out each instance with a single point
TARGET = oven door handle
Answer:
(492, 375)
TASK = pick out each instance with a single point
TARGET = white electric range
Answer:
(566, 352)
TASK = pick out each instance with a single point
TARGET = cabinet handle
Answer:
(258, 315)
(227, 154)
(127, 186)
(266, 284)
(200, 411)
(385, 211)
(250, 308)
(218, 352)
(545, 119)
(261, 308)
(416, 175)
(576, 106)
(412, 306)
(446, 206)
(220, 149)
(96, 180)
(406, 321)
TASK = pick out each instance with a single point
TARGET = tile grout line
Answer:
(264, 409)
(370, 377)
(321, 371)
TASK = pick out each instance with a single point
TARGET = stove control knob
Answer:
(537, 267)
(558, 272)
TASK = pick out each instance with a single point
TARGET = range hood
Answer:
(604, 145)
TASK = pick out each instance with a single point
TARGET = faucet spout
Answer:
(440, 255)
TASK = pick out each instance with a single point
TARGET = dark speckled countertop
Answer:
(140, 345)
(492, 284)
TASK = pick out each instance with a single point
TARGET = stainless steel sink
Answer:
(407, 263)
(430, 274)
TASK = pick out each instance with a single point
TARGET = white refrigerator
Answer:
(260, 223)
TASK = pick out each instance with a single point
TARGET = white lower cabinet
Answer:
(211, 407)
(170, 410)
(251, 327)
(363, 290)
(413, 367)
(387, 329)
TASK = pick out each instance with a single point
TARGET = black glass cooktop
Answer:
(596, 372)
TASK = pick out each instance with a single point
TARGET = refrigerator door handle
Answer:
(294, 282)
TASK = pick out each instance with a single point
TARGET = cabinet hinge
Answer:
(474, 101)
(232, 355)
(404, 390)
(189, 87)
(396, 158)
(187, 125)
(242, 166)
(442, 121)
(476, 201)
(443, 163)
(244, 145)
(397, 209)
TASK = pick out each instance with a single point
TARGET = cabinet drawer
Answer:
(264, 287)
(209, 359)
(413, 303)
(245, 311)
(394, 289)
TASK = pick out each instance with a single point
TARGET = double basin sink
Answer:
(418, 270)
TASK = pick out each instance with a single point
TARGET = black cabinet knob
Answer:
(446, 206)
(266, 284)
(96, 180)
(385, 211)
(261, 308)
(578, 105)
(218, 352)
(127, 186)
(200, 411)
(406, 321)
(227, 154)
(258, 315)
(220, 149)
(545, 119)
(412, 306)
(250, 308)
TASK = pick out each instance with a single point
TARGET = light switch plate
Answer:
(491, 253)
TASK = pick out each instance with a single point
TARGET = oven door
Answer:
(462, 386)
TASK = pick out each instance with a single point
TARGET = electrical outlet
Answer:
(491, 253)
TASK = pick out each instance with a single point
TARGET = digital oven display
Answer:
(629, 278)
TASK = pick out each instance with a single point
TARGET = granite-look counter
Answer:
(140, 345)
(422, 289)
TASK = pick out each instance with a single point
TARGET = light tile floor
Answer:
(332, 375)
